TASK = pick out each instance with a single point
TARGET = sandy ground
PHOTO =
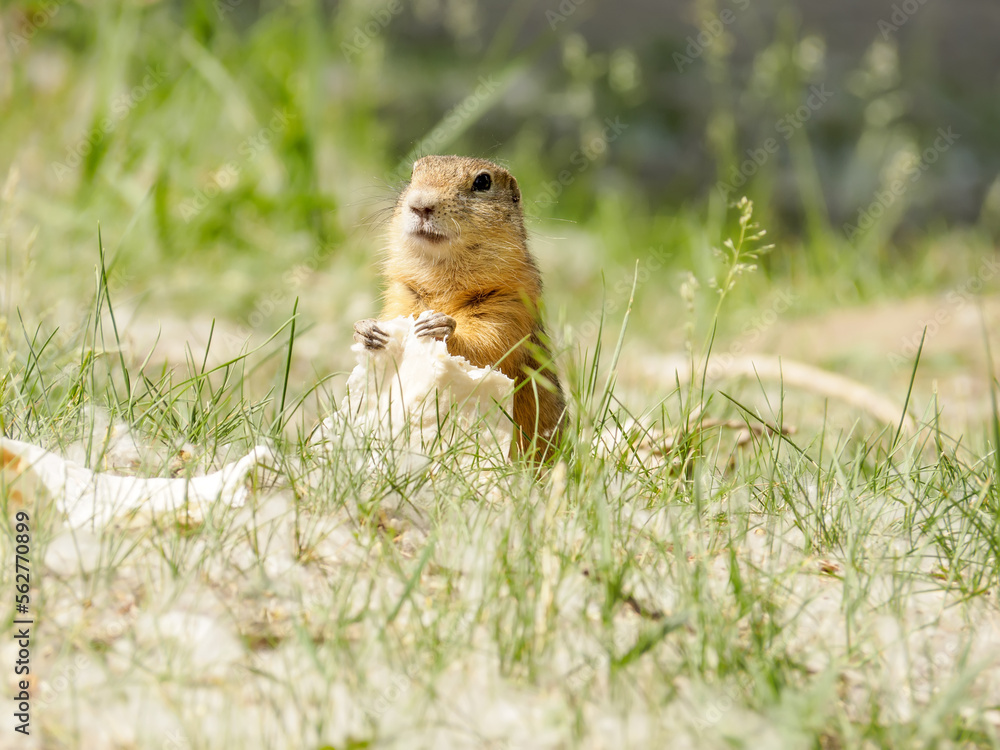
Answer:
(153, 639)
(875, 345)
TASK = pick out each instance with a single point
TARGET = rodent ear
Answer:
(515, 191)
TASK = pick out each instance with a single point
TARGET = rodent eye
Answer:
(482, 181)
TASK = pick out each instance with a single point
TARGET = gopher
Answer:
(458, 248)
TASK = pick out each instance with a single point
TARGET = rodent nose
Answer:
(421, 204)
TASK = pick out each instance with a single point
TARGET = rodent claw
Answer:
(435, 325)
(368, 333)
(436, 333)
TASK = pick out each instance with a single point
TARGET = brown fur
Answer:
(479, 272)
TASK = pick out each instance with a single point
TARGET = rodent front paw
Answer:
(434, 325)
(368, 333)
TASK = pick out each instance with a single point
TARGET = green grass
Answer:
(832, 588)
(831, 585)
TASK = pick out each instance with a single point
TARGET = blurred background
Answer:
(234, 156)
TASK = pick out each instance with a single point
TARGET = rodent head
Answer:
(454, 203)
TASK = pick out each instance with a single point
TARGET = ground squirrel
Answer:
(458, 248)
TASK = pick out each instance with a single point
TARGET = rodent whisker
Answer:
(458, 227)
(487, 281)
(539, 220)
(376, 194)
(379, 214)
(377, 220)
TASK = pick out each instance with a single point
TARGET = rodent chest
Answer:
(460, 301)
